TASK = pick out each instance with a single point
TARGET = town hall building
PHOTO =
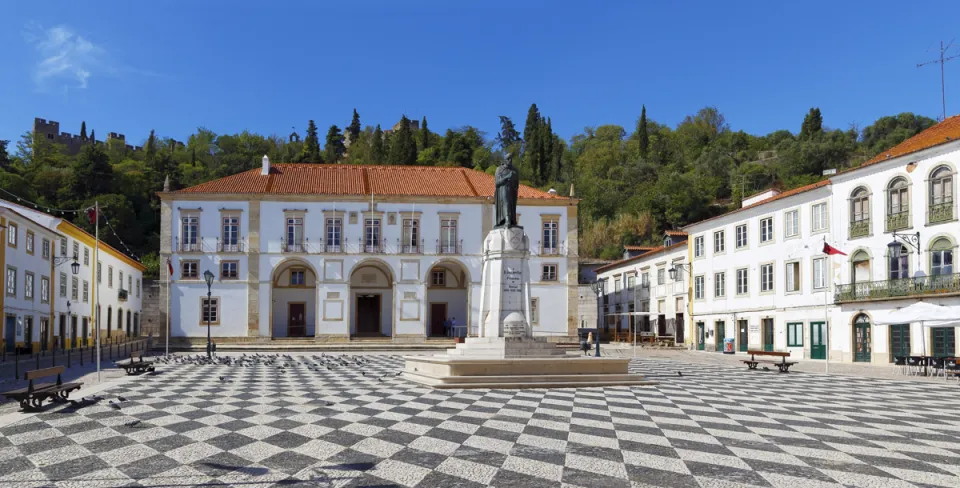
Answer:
(341, 252)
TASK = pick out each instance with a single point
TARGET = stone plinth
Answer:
(504, 348)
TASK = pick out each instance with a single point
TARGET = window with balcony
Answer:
(448, 236)
(742, 283)
(411, 236)
(645, 280)
(741, 236)
(766, 230)
(190, 233)
(371, 235)
(698, 247)
(294, 235)
(719, 285)
(766, 277)
(228, 270)
(899, 259)
(860, 263)
(334, 234)
(661, 276)
(631, 281)
(719, 242)
(941, 257)
(550, 274)
(230, 234)
(941, 195)
(550, 237)
(121, 279)
(698, 284)
(189, 270)
(819, 215)
(898, 204)
(791, 223)
(792, 276)
(859, 213)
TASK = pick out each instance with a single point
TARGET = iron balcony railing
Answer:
(410, 247)
(455, 247)
(941, 212)
(859, 228)
(186, 246)
(293, 245)
(223, 246)
(122, 295)
(898, 221)
(554, 249)
(898, 288)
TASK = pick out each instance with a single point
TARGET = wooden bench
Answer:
(782, 364)
(31, 398)
(136, 364)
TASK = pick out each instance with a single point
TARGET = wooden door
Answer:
(899, 340)
(721, 332)
(818, 340)
(85, 341)
(862, 343)
(767, 332)
(73, 331)
(62, 338)
(297, 320)
(944, 341)
(438, 313)
(700, 336)
(678, 325)
(368, 315)
(743, 340)
(661, 325)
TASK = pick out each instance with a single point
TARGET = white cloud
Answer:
(64, 58)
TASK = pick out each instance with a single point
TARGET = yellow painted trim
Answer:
(81, 235)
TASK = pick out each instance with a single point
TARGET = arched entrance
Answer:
(447, 299)
(294, 299)
(371, 299)
(862, 339)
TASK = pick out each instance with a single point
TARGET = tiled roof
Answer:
(348, 179)
(639, 248)
(653, 252)
(942, 133)
(675, 233)
(779, 196)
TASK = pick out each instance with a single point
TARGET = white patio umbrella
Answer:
(927, 314)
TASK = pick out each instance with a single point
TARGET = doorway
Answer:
(661, 325)
(861, 339)
(85, 341)
(10, 332)
(767, 332)
(742, 337)
(62, 338)
(899, 340)
(296, 319)
(818, 340)
(678, 325)
(28, 333)
(944, 341)
(73, 331)
(44, 334)
(438, 313)
(720, 333)
(700, 337)
(368, 315)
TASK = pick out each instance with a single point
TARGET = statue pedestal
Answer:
(506, 354)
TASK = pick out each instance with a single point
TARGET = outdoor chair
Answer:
(937, 365)
(914, 365)
(901, 364)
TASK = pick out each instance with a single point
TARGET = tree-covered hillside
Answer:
(633, 182)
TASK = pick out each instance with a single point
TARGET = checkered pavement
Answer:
(363, 426)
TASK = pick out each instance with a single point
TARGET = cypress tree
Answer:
(334, 148)
(354, 128)
(546, 150)
(311, 145)
(83, 130)
(531, 145)
(150, 150)
(508, 135)
(376, 146)
(812, 124)
(403, 149)
(643, 133)
(93, 136)
(424, 134)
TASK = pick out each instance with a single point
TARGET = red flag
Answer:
(830, 250)
(92, 215)
(170, 268)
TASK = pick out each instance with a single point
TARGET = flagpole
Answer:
(96, 289)
(169, 282)
(826, 309)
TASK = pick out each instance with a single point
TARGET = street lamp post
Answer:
(208, 277)
(598, 287)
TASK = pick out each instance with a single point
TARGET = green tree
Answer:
(92, 172)
(334, 149)
(424, 134)
(812, 124)
(311, 145)
(403, 149)
(354, 128)
(150, 148)
(546, 150)
(4, 156)
(377, 155)
(93, 135)
(83, 130)
(643, 133)
(531, 147)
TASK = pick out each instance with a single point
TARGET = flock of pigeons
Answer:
(283, 363)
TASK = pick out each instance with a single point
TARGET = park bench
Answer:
(31, 398)
(136, 364)
(782, 364)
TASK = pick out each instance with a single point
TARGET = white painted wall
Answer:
(23, 262)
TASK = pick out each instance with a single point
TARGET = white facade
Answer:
(74, 295)
(640, 294)
(307, 266)
(27, 281)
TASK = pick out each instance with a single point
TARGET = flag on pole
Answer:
(170, 268)
(92, 215)
(830, 250)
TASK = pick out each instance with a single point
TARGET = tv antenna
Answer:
(942, 61)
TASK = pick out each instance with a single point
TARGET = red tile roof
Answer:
(675, 233)
(348, 179)
(942, 133)
(639, 248)
(651, 253)
(779, 196)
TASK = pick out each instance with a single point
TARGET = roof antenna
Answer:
(942, 61)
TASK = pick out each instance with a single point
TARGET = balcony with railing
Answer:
(940, 212)
(859, 228)
(551, 249)
(122, 295)
(455, 247)
(898, 288)
(408, 247)
(235, 246)
(188, 245)
(293, 245)
(898, 221)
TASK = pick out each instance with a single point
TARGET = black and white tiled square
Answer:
(360, 425)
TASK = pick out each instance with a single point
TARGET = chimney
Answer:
(266, 165)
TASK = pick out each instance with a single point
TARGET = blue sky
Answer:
(269, 66)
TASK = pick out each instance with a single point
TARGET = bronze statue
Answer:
(507, 181)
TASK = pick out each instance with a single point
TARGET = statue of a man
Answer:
(507, 181)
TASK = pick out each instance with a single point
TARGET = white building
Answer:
(761, 276)
(336, 252)
(28, 271)
(642, 294)
(118, 286)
